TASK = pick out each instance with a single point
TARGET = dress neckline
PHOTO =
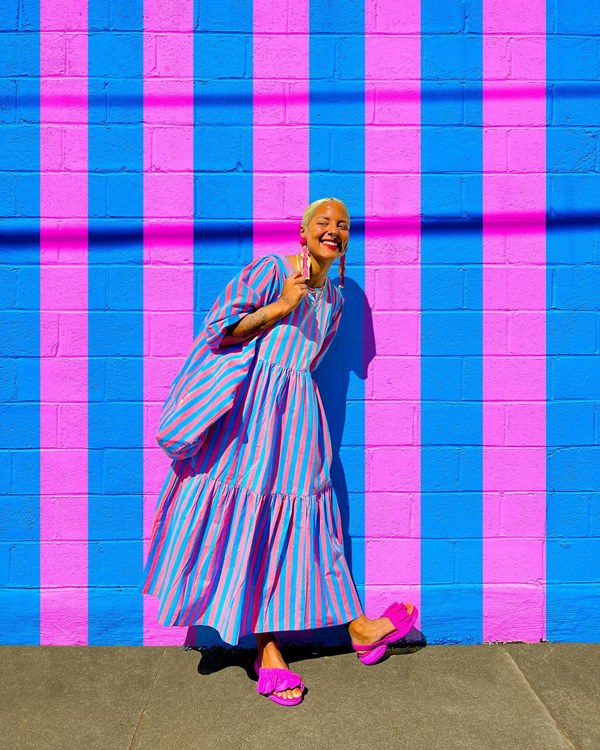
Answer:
(312, 288)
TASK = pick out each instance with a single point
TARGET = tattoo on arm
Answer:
(249, 325)
(254, 323)
(286, 299)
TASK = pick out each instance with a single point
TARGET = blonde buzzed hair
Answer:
(312, 209)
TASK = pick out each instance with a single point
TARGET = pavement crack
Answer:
(143, 711)
(539, 700)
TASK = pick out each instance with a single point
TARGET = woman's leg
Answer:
(364, 630)
(270, 656)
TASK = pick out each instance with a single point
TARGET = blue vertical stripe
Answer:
(20, 329)
(115, 324)
(223, 161)
(222, 147)
(337, 168)
(573, 366)
(451, 335)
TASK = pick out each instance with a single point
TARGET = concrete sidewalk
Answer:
(505, 697)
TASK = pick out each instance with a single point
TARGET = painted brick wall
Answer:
(149, 150)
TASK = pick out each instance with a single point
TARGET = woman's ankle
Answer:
(359, 626)
(263, 640)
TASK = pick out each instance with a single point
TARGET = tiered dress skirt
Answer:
(247, 536)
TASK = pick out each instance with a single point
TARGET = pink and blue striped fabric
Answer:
(151, 150)
(248, 534)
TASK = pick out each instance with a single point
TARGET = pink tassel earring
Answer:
(342, 269)
(305, 261)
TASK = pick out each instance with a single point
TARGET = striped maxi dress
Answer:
(247, 535)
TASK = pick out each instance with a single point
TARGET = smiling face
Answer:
(327, 231)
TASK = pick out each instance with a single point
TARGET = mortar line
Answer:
(143, 711)
(540, 701)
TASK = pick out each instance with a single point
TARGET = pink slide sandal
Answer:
(271, 679)
(402, 621)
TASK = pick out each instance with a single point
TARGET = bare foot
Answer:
(270, 656)
(364, 630)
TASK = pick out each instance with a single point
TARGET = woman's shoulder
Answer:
(270, 259)
(262, 264)
(260, 267)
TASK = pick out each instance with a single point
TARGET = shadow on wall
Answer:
(429, 90)
(351, 351)
(18, 232)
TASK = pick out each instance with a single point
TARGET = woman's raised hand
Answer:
(294, 289)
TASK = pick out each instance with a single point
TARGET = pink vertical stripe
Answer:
(280, 141)
(63, 365)
(392, 258)
(514, 301)
(168, 241)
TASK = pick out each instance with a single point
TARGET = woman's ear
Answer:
(302, 237)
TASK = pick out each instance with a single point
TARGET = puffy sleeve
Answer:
(206, 385)
(253, 287)
(331, 331)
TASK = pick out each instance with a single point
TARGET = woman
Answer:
(247, 536)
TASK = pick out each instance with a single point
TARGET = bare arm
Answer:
(256, 322)
(294, 289)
